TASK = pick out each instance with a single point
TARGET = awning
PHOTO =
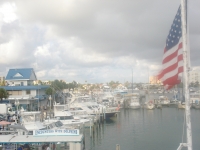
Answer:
(37, 139)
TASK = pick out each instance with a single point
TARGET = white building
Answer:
(194, 76)
(21, 89)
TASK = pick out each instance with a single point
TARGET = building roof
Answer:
(21, 74)
(18, 88)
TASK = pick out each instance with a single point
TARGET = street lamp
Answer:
(17, 104)
(50, 102)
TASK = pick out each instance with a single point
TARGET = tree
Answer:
(49, 91)
(3, 93)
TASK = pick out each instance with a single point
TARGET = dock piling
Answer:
(117, 147)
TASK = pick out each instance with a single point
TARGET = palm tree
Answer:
(3, 93)
(50, 93)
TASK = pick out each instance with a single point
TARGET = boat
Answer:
(164, 101)
(158, 104)
(32, 121)
(94, 108)
(135, 101)
(181, 105)
(194, 100)
(150, 105)
(62, 113)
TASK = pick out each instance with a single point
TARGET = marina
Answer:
(100, 50)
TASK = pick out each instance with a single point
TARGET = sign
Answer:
(55, 132)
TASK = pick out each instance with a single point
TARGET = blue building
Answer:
(22, 91)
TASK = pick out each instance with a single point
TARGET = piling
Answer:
(99, 117)
(84, 134)
(93, 125)
(90, 129)
(117, 147)
(104, 114)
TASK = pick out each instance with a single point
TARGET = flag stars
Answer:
(175, 31)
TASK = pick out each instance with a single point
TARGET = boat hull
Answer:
(181, 106)
(150, 106)
(134, 107)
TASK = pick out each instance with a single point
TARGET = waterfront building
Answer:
(2, 81)
(194, 76)
(22, 91)
(153, 80)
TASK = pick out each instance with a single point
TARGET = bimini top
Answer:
(40, 139)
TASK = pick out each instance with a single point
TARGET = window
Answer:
(28, 92)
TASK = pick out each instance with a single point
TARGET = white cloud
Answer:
(7, 12)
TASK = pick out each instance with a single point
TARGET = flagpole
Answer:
(186, 74)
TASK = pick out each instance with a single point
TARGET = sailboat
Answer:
(176, 61)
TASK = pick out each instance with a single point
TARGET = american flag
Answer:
(172, 63)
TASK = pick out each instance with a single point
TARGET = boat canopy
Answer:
(39, 139)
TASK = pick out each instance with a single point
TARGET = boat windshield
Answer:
(37, 117)
(58, 124)
(90, 107)
(28, 118)
(105, 100)
(66, 117)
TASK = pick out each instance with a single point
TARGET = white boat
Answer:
(164, 100)
(62, 113)
(194, 100)
(150, 105)
(135, 102)
(181, 105)
(93, 108)
(57, 124)
(32, 121)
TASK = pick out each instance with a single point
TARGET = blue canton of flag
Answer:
(175, 31)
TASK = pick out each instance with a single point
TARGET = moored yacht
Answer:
(135, 101)
(164, 101)
(32, 121)
(62, 113)
(150, 105)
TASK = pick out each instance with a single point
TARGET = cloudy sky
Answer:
(90, 40)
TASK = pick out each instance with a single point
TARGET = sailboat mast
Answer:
(186, 74)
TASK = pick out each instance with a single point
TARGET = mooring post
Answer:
(117, 147)
(104, 114)
(90, 128)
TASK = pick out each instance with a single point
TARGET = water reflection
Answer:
(158, 129)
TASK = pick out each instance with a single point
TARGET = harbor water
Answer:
(158, 129)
